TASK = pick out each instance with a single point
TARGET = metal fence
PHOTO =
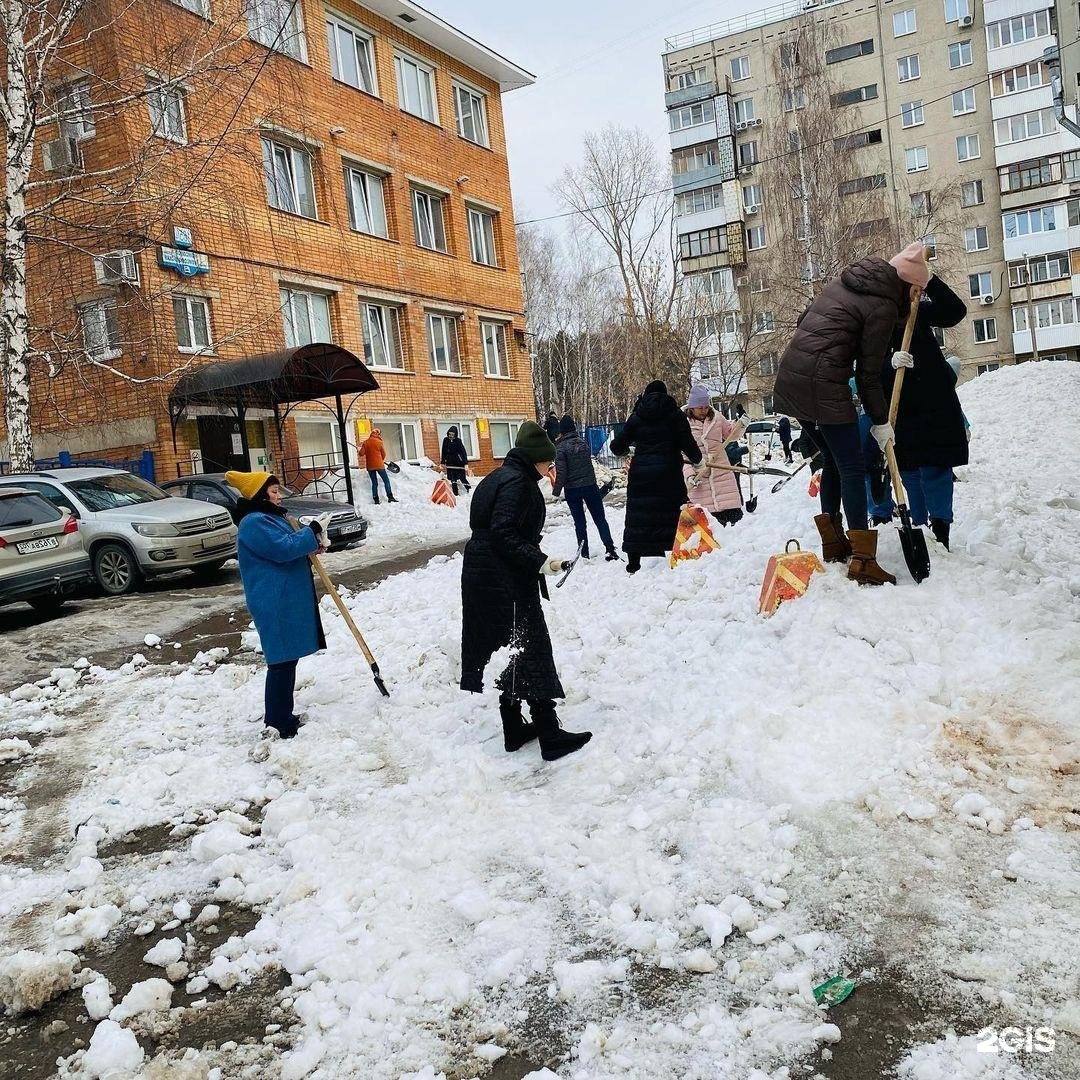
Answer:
(141, 466)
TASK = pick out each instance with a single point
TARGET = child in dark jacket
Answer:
(576, 478)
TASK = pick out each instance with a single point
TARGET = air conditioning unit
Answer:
(753, 208)
(966, 21)
(756, 122)
(986, 299)
(742, 125)
(746, 170)
(60, 154)
(116, 268)
(743, 282)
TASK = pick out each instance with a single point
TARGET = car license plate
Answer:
(348, 530)
(27, 547)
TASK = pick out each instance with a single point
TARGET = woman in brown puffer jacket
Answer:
(849, 326)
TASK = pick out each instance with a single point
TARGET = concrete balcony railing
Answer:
(711, 174)
(689, 94)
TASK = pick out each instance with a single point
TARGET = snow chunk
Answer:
(87, 924)
(700, 961)
(291, 807)
(577, 979)
(113, 1053)
(165, 952)
(10, 749)
(150, 995)
(763, 934)
(299, 1062)
(217, 839)
(152, 641)
(489, 1052)
(84, 875)
(473, 905)
(713, 921)
(658, 904)
(182, 910)
(29, 979)
(97, 999)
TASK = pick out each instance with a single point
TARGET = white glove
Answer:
(883, 433)
(554, 566)
(320, 524)
(902, 359)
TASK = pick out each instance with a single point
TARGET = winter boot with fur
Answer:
(863, 567)
(554, 742)
(940, 529)
(516, 731)
(834, 544)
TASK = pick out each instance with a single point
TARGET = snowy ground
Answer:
(880, 783)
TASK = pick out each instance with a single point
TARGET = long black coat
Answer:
(930, 423)
(454, 453)
(656, 491)
(500, 584)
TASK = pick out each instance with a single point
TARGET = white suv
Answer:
(130, 528)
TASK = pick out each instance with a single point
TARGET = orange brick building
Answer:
(370, 206)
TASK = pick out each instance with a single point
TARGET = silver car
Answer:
(132, 530)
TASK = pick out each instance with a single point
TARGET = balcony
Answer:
(698, 263)
(1048, 338)
(711, 174)
(689, 94)
(704, 219)
(691, 136)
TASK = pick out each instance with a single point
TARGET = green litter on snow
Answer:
(834, 991)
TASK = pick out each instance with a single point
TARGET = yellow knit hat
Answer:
(249, 484)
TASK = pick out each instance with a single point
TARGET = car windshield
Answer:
(285, 492)
(114, 492)
(18, 511)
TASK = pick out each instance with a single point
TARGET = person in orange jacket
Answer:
(375, 459)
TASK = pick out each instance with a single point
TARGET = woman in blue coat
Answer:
(278, 588)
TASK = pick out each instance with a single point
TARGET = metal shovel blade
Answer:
(913, 545)
(751, 504)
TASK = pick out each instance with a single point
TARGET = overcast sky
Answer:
(596, 62)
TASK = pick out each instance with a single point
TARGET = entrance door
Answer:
(221, 443)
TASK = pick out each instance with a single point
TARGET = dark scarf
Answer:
(258, 506)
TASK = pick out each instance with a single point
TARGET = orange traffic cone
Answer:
(441, 495)
(693, 537)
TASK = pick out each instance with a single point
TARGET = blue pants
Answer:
(843, 472)
(375, 474)
(930, 495)
(578, 498)
(280, 685)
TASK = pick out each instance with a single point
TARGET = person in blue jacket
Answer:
(278, 587)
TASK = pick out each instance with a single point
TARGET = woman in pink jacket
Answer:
(718, 490)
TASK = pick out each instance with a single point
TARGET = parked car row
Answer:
(63, 529)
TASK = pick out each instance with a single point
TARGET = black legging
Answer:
(843, 472)
(278, 695)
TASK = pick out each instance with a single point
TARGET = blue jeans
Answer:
(578, 498)
(930, 495)
(375, 474)
(278, 699)
(843, 471)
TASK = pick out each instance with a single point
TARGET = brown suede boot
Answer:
(834, 544)
(863, 567)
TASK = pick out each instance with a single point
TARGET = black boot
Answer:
(633, 564)
(376, 498)
(516, 732)
(286, 730)
(612, 555)
(940, 529)
(554, 742)
(390, 498)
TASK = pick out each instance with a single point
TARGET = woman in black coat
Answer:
(501, 587)
(931, 437)
(656, 491)
(455, 459)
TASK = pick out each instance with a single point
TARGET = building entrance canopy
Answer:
(279, 381)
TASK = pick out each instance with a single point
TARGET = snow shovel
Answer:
(751, 502)
(780, 483)
(912, 540)
(570, 566)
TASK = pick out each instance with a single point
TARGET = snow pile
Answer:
(113, 1053)
(30, 979)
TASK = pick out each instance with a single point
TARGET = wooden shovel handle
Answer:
(905, 346)
(711, 463)
(328, 585)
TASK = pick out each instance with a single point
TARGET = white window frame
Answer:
(285, 187)
(381, 322)
(341, 33)
(909, 24)
(447, 326)
(165, 103)
(496, 349)
(973, 235)
(976, 187)
(425, 218)
(745, 110)
(959, 45)
(372, 197)
(975, 284)
(985, 324)
(960, 9)
(688, 116)
(740, 64)
(685, 79)
(1035, 123)
(1042, 215)
(911, 64)
(188, 302)
(922, 161)
(286, 34)
(482, 244)
(985, 369)
(965, 95)
(966, 141)
(74, 110)
(1018, 28)
(476, 98)
(466, 432)
(297, 307)
(751, 196)
(384, 423)
(764, 323)
(1020, 84)
(512, 428)
(754, 231)
(428, 106)
(912, 114)
(698, 200)
(107, 345)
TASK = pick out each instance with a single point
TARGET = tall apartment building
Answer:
(943, 102)
(371, 207)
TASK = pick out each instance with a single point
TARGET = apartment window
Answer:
(429, 220)
(352, 55)
(465, 430)
(903, 22)
(860, 184)
(755, 238)
(100, 330)
(496, 360)
(971, 193)
(503, 435)
(443, 344)
(912, 114)
(858, 139)
(854, 97)
(684, 80)
(959, 54)
(716, 282)
(290, 183)
(744, 110)
(967, 147)
(764, 322)
(1019, 28)
(401, 438)
(691, 115)
(794, 99)
(692, 158)
(1040, 268)
(789, 54)
(699, 200)
(984, 330)
(306, 316)
(279, 25)
(166, 105)
(196, 7)
(1072, 209)
(920, 204)
(1029, 125)
(980, 285)
(416, 87)
(382, 337)
(751, 196)
(1070, 165)
(768, 365)
(693, 245)
(1028, 174)
(482, 237)
(963, 101)
(1016, 80)
(470, 107)
(916, 159)
(740, 68)
(849, 52)
(367, 201)
(907, 68)
(976, 238)
(1027, 222)
(748, 154)
(985, 369)
(955, 10)
(192, 317)
(930, 243)
(74, 111)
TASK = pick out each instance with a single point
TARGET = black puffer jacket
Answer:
(500, 584)
(454, 453)
(850, 324)
(655, 493)
(573, 463)
(930, 423)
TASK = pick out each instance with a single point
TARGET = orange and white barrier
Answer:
(441, 495)
(693, 537)
(787, 577)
